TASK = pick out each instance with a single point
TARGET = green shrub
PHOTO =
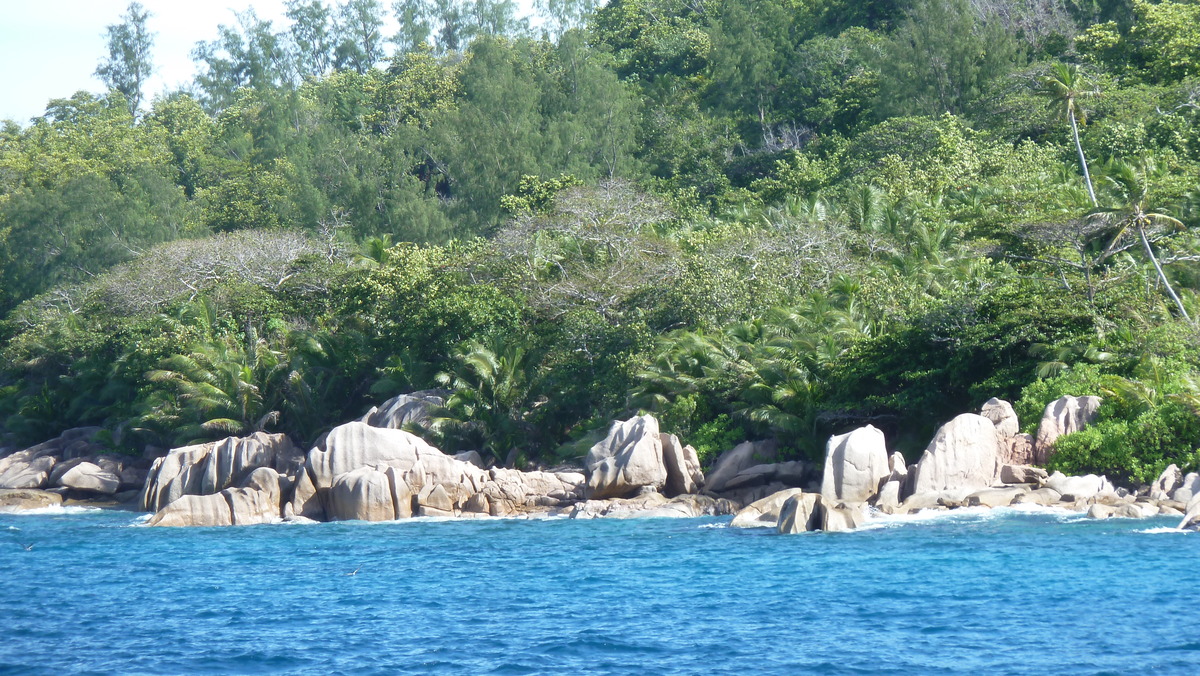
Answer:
(715, 437)
(1080, 381)
(1134, 451)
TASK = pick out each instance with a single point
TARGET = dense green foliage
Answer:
(755, 218)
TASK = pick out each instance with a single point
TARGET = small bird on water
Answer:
(354, 572)
(28, 548)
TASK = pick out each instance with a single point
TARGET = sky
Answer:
(49, 49)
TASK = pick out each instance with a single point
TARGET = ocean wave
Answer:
(713, 525)
(52, 510)
(877, 519)
(1162, 530)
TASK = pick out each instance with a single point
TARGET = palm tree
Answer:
(1136, 214)
(489, 401)
(1063, 88)
(217, 388)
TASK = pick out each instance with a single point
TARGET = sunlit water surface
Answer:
(977, 592)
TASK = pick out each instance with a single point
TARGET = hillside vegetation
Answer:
(754, 218)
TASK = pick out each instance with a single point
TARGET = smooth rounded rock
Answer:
(1063, 416)
(91, 478)
(1002, 415)
(856, 464)
(963, 456)
(364, 494)
(800, 513)
(763, 513)
(628, 460)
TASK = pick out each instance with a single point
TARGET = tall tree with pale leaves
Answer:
(128, 65)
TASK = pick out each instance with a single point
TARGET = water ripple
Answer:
(1004, 592)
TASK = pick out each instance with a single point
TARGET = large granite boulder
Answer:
(856, 465)
(963, 457)
(1082, 488)
(90, 477)
(800, 513)
(1063, 416)
(256, 500)
(890, 497)
(31, 467)
(763, 513)
(1022, 474)
(1165, 485)
(194, 510)
(898, 466)
(1002, 415)
(841, 516)
(1188, 488)
(363, 494)
(21, 499)
(805, 512)
(1015, 448)
(627, 461)
(733, 462)
(406, 409)
(1191, 515)
(682, 465)
(205, 469)
(356, 445)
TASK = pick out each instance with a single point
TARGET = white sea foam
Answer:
(713, 525)
(1162, 530)
(52, 510)
(877, 519)
(14, 528)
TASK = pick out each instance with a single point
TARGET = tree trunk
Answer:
(1087, 177)
(1161, 275)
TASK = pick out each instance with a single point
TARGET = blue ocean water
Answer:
(978, 592)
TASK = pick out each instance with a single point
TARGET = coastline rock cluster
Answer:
(356, 472)
(374, 470)
(968, 463)
(74, 463)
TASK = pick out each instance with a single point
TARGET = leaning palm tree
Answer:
(1063, 88)
(1136, 215)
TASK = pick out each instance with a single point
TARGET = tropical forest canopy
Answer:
(753, 218)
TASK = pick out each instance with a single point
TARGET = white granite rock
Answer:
(961, 457)
(856, 464)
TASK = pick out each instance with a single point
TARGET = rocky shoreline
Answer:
(371, 470)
